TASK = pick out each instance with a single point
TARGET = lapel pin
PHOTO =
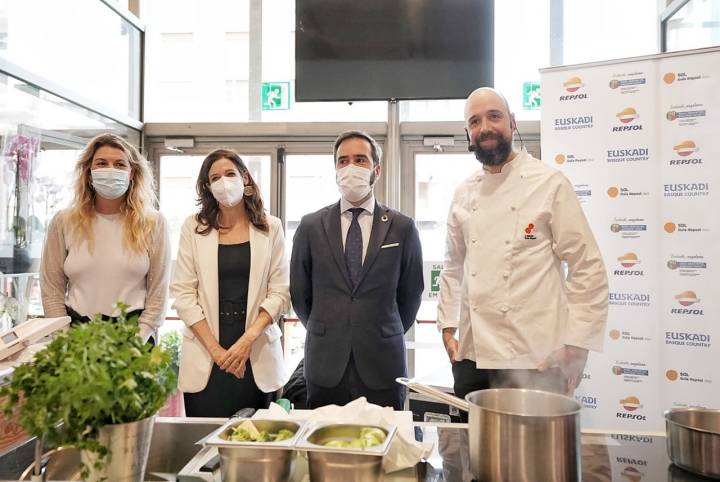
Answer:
(384, 218)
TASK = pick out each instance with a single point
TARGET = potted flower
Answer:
(20, 152)
(95, 386)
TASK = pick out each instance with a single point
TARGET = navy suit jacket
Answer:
(369, 320)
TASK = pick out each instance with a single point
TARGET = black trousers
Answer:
(76, 318)
(351, 387)
(468, 379)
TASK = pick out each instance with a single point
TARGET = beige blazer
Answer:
(195, 288)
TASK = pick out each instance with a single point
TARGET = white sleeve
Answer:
(184, 286)
(451, 277)
(277, 300)
(586, 285)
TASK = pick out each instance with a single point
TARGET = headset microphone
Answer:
(471, 147)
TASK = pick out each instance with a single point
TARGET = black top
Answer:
(233, 271)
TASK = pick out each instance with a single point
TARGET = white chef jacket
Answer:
(503, 284)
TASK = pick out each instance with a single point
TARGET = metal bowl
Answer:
(332, 464)
(693, 440)
(255, 461)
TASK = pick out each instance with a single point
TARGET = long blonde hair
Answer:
(137, 208)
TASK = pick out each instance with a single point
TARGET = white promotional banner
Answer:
(639, 140)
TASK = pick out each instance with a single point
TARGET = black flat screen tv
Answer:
(392, 49)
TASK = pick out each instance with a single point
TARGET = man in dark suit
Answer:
(356, 283)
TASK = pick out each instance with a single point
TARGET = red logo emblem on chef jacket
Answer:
(529, 231)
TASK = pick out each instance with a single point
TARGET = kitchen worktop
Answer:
(605, 457)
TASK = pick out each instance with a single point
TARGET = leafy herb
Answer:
(96, 374)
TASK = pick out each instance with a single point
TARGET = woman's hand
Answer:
(217, 354)
(234, 359)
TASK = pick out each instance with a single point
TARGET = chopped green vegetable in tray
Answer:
(369, 437)
(247, 432)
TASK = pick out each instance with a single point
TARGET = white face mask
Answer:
(110, 183)
(228, 191)
(353, 182)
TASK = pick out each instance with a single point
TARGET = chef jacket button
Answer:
(473, 241)
(506, 274)
(504, 309)
(474, 209)
(507, 241)
(512, 208)
(474, 273)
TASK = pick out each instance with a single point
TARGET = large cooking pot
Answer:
(518, 435)
(693, 440)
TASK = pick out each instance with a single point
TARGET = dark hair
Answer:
(375, 149)
(209, 216)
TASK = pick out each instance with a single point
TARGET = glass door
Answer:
(430, 185)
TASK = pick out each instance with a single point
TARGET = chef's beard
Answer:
(495, 156)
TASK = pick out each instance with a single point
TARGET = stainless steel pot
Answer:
(518, 435)
(693, 440)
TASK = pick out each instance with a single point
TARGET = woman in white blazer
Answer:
(230, 287)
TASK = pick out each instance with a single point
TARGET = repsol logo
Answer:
(686, 162)
(685, 311)
(627, 272)
(631, 416)
(631, 461)
(573, 97)
(635, 127)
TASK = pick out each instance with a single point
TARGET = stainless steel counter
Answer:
(175, 457)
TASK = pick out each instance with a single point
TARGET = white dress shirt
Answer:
(365, 219)
(503, 283)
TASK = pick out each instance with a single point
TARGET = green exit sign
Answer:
(531, 95)
(276, 96)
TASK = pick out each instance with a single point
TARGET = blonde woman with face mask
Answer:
(111, 244)
(230, 288)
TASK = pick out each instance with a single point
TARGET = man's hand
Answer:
(571, 361)
(451, 343)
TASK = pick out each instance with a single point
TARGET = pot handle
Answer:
(434, 393)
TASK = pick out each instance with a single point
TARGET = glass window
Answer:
(198, 64)
(197, 61)
(695, 25)
(436, 178)
(99, 59)
(610, 29)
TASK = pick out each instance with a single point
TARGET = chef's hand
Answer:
(451, 343)
(237, 355)
(571, 361)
